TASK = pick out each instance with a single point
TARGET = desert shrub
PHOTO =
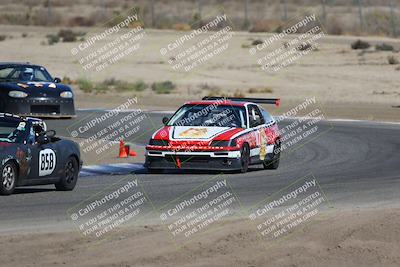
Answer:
(303, 47)
(111, 82)
(64, 36)
(257, 42)
(122, 86)
(24, 35)
(52, 39)
(206, 86)
(140, 85)
(81, 21)
(3, 37)
(125, 86)
(67, 80)
(101, 88)
(163, 87)
(359, 44)
(392, 60)
(384, 47)
(238, 93)
(214, 92)
(196, 21)
(69, 35)
(85, 85)
(266, 90)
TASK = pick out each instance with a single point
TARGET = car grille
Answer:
(187, 158)
(45, 109)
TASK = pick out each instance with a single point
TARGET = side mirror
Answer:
(165, 120)
(44, 137)
(57, 80)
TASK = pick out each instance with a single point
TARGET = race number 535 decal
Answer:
(47, 162)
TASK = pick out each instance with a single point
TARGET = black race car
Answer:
(27, 89)
(30, 155)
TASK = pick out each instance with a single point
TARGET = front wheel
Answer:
(70, 175)
(273, 164)
(245, 158)
(8, 178)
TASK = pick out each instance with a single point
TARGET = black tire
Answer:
(70, 175)
(244, 158)
(2, 107)
(273, 164)
(8, 178)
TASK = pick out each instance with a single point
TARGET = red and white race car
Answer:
(216, 134)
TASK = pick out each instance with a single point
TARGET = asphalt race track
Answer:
(356, 164)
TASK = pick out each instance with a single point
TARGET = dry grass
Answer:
(265, 90)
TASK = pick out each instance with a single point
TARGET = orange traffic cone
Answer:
(127, 148)
(122, 149)
(132, 153)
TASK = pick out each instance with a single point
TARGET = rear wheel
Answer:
(245, 158)
(8, 178)
(70, 175)
(273, 164)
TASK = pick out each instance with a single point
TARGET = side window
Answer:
(266, 115)
(5, 72)
(255, 117)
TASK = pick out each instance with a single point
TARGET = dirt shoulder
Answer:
(366, 237)
(346, 109)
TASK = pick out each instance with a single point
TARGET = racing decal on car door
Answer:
(47, 162)
(263, 144)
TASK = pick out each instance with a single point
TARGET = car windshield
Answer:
(12, 131)
(24, 74)
(209, 115)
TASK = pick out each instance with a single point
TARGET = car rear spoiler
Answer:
(274, 101)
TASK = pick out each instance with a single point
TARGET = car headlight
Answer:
(67, 94)
(154, 142)
(17, 94)
(234, 142)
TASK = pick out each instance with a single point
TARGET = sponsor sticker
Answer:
(47, 162)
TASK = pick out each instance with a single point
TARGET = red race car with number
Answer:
(216, 134)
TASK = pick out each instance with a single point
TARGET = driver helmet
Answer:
(27, 74)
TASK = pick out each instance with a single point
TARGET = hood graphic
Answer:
(35, 86)
(35, 89)
(196, 132)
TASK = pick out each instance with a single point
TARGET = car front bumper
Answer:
(221, 160)
(40, 107)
